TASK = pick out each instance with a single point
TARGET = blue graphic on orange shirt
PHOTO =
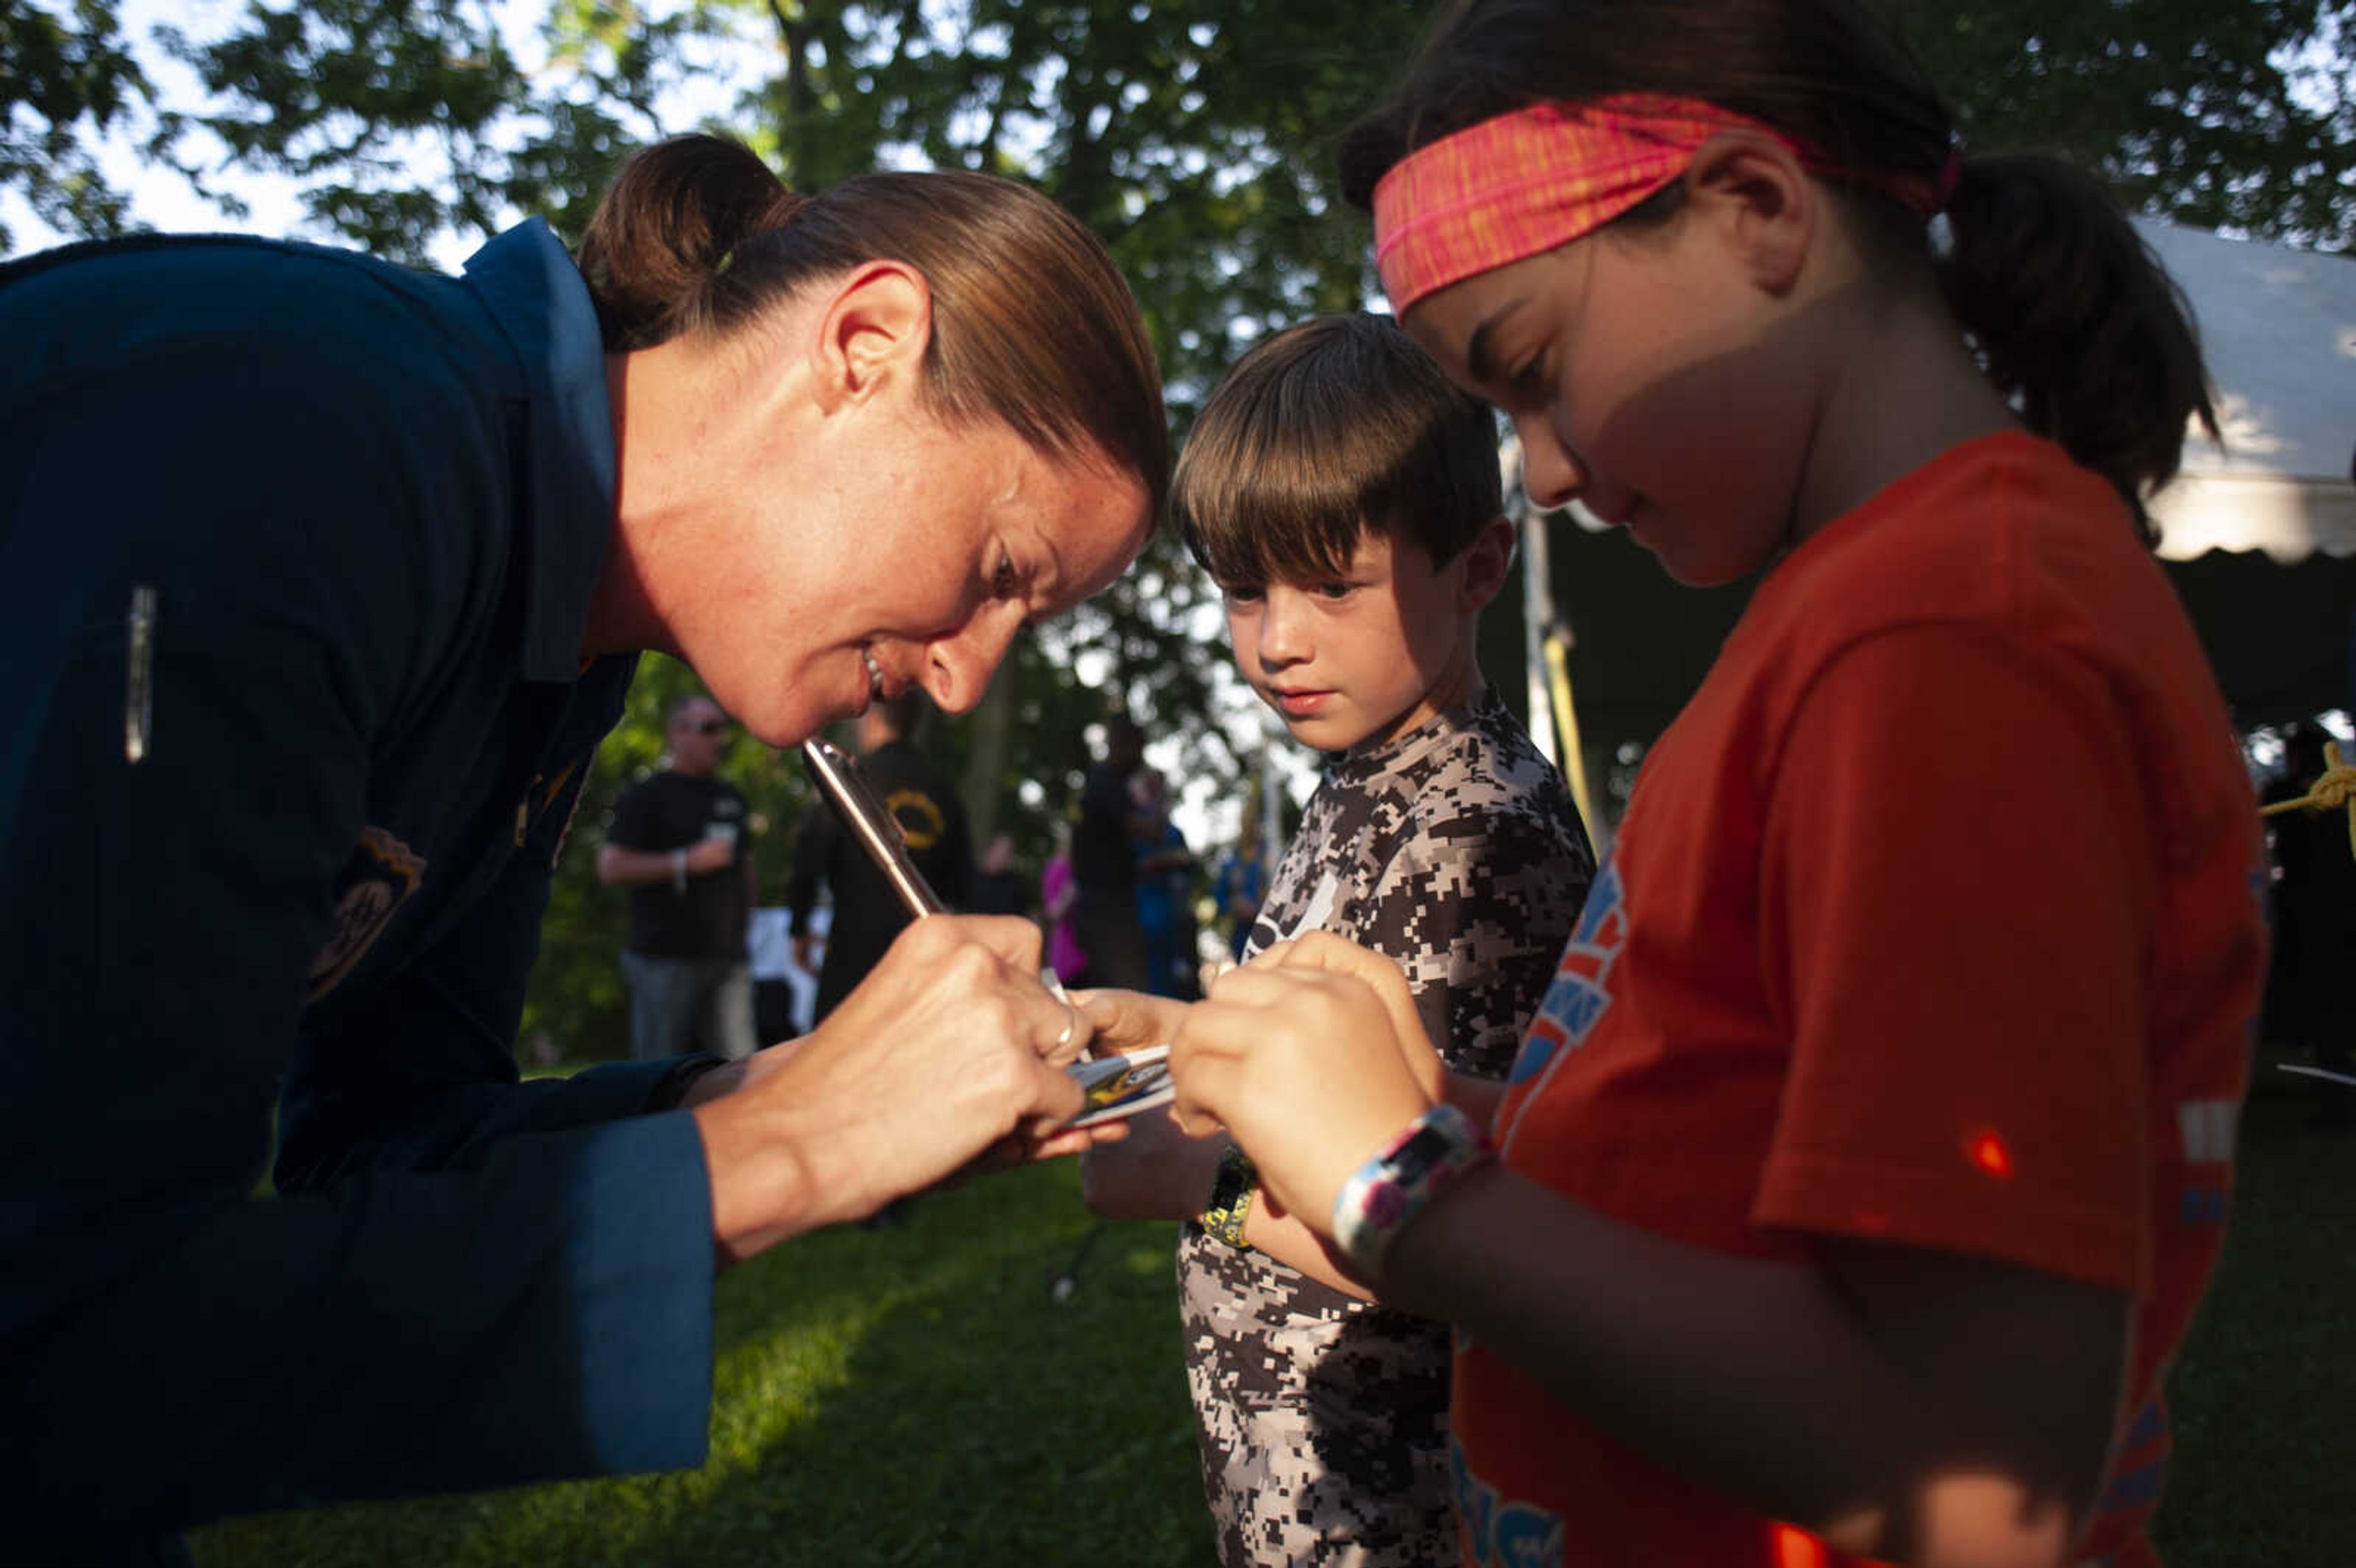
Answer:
(1499, 1534)
(1580, 993)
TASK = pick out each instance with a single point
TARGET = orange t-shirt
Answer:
(1934, 920)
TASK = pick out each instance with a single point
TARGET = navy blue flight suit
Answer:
(295, 553)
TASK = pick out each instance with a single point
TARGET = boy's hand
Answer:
(1125, 1021)
(1155, 1173)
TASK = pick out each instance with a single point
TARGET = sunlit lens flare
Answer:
(1797, 1549)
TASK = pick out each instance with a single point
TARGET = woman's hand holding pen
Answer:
(946, 1047)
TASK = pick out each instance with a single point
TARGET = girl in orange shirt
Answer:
(1871, 1149)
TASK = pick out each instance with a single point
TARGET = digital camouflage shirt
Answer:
(1456, 851)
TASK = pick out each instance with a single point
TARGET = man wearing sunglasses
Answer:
(680, 841)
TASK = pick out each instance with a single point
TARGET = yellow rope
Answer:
(2335, 789)
(1566, 725)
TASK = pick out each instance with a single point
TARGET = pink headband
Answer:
(1541, 176)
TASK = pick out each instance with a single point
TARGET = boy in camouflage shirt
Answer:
(1346, 500)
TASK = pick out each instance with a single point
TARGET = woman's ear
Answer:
(874, 331)
(1750, 188)
(1487, 562)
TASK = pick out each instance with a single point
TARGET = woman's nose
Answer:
(958, 668)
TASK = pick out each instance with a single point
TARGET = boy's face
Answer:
(1362, 658)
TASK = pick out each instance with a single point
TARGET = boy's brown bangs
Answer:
(1260, 524)
(1321, 432)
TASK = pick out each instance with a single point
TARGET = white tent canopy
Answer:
(2278, 330)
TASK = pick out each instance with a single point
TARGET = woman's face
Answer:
(1644, 381)
(899, 552)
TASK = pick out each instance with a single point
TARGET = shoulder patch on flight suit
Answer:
(378, 879)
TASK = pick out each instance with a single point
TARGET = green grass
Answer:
(899, 1396)
(2265, 1391)
(915, 1395)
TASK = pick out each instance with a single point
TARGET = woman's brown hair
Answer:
(1033, 324)
(2073, 317)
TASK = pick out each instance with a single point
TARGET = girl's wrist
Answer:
(1399, 1183)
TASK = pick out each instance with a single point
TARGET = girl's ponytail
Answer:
(2075, 319)
(661, 242)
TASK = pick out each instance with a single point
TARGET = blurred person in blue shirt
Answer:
(1165, 891)
(1239, 882)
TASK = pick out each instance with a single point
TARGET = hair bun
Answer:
(675, 215)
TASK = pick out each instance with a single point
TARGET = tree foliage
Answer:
(64, 80)
(2235, 116)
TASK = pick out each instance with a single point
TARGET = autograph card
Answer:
(1120, 1086)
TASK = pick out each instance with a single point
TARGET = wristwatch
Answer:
(1231, 1197)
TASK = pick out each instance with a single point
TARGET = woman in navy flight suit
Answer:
(322, 581)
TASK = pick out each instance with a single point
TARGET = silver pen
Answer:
(838, 776)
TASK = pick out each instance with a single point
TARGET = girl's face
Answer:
(1649, 378)
(910, 557)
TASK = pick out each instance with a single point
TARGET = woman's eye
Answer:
(1240, 593)
(1004, 582)
(1528, 382)
(1336, 590)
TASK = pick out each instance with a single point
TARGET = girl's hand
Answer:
(1303, 1064)
(1323, 950)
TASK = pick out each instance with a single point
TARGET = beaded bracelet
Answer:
(1379, 1199)
(1231, 1197)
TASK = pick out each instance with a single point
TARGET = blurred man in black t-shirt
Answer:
(681, 840)
(1104, 864)
(998, 887)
